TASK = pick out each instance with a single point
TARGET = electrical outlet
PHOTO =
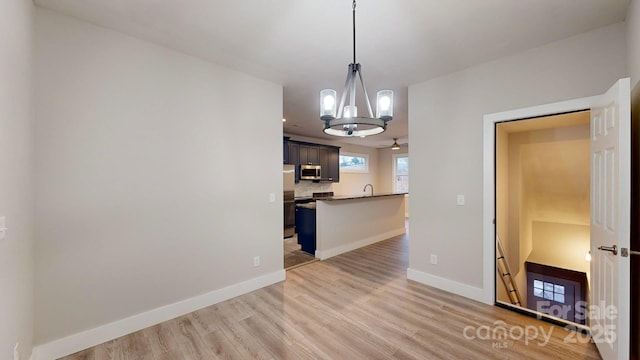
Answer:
(434, 259)
(272, 197)
(460, 200)
(256, 261)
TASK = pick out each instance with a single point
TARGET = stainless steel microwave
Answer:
(310, 172)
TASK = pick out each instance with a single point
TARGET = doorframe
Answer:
(394, 159)
(489, 196)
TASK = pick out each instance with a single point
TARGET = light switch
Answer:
(3, 227)
(272, 197)
(460, 200)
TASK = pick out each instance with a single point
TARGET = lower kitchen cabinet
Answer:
(306, 228)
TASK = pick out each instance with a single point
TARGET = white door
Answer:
(610, 206)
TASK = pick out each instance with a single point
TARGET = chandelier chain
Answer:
(354, 31)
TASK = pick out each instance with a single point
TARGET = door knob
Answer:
(613, 249)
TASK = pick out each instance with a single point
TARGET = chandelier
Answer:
(343, 120)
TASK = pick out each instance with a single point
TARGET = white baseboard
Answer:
(325, 254)
(86, 339)
(451, 286)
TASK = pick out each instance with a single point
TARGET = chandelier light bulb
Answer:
(327, 104)
(350, 112)
(385, 105)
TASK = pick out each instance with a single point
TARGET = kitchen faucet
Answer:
(365, 189)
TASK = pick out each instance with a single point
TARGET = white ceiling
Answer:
(306, 44)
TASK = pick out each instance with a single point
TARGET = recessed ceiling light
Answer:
(284, 120)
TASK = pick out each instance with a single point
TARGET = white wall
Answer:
(16, 177)
(386, 165)
(446, 151)
(633, 41)
(561, 245)
(144, 193)
(384, 178)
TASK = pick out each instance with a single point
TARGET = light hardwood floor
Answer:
(358, 305)
(294, 256)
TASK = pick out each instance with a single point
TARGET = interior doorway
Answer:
(542, 189)
(610, 187)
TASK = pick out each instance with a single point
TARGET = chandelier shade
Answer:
(341, 118)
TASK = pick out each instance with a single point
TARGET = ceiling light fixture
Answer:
(347, 122)
(395, 145)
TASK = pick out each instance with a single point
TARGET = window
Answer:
(358, 163)
(401, 173)
(548, 291)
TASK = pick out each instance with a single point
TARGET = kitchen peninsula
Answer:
(345, 223)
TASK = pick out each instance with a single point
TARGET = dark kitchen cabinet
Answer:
(329, 161)
(285, 150)
(333, 169)
(293, 150)
(291, 155)
(309, 154)
(306, 228)
(327, 156)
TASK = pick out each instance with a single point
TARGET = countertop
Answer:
(311, 205)
(363, 196)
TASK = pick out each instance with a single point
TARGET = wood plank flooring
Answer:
(293, 255)
(358, 305)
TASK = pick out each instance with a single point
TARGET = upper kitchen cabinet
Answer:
(329, 161)
(292, 153)
(285, 150)
(327, 156)
(309, 154)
